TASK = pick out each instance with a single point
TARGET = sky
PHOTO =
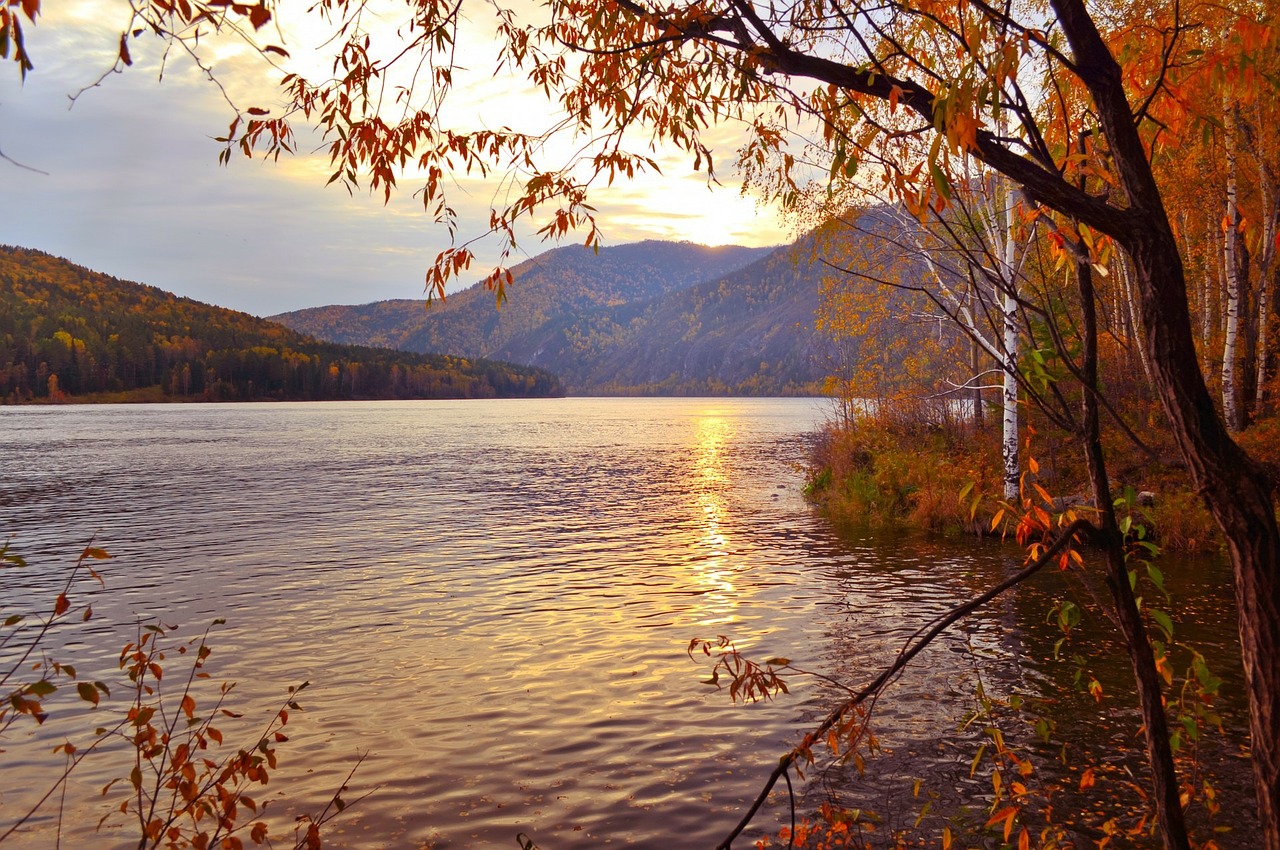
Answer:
(126, 181)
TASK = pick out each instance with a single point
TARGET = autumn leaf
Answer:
(87, 692)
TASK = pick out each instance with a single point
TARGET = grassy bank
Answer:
(890, 474)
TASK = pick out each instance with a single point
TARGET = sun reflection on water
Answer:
(713, 569)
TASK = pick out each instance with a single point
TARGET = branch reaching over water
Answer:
(914, 646)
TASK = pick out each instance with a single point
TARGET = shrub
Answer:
(884, 473)
(176, 785)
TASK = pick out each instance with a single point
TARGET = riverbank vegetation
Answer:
(68, 334)
(887, 473)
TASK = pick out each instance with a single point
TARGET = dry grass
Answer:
(885, 475)
(895, 473)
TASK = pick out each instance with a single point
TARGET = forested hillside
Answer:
(636, 320)
(565, 281)
(649, 318)
(67, 333)
(589, 313)
(766, 329)
(747, 333)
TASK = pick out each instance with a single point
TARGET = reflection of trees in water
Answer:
(932, 723)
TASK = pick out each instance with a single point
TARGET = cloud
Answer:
(132, 185)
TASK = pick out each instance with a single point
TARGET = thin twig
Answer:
(21, 165)
(914, 646)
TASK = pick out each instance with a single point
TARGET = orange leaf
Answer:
(1007, 815)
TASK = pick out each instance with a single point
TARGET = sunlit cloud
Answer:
(132, 186)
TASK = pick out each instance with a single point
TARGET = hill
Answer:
(750, 332)
(649, 318)
(566, 281)
(70, 333)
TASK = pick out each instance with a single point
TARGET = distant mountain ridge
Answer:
(568, 280)
(67, 332)
(649, 318)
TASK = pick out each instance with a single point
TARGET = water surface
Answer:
(492, 601)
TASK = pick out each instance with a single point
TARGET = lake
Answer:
(493, 600)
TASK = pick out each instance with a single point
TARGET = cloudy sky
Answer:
(127, 182)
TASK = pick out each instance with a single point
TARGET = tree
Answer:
(906, 88)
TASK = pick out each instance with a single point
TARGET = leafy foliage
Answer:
(178, 785)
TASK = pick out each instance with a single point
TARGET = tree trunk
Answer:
(1240, 353)
(1268, 289)
(975, 365)
(1231, 402)
(1238, 494)
(1131, 318)
(1236, 489)
(1009, 311)
(1164, 777)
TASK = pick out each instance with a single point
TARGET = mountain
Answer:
(66, 331)
(648, 318)
(750, 332)
(566, 281)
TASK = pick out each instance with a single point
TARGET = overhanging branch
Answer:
(914, 646)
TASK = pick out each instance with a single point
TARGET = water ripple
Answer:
(492, 599)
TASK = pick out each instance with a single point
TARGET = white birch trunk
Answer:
(1206, 312)
(1264, 318)
(1009, 306)
(1231, 269)
(1132, 320)
(1266, 264)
